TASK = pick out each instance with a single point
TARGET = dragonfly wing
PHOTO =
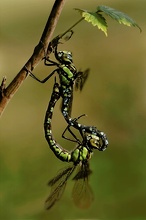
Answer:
(82, 193)
(81, 79)
(55, 195)
(58, 184)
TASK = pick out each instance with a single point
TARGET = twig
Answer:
(37, 56)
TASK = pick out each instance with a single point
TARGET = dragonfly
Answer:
(79, 157)
(90, 141)
(69, 76)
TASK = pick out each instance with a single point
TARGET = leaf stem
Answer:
(61, 35)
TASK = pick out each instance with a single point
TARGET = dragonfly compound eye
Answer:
(65, 57)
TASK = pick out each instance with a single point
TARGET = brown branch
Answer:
(7, 93)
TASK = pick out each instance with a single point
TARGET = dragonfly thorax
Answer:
(64, 57)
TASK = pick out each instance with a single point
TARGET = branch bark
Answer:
(7, 93)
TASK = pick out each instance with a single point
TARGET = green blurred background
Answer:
(114, 98)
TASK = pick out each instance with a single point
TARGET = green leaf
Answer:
(95, 18)
(117, 15)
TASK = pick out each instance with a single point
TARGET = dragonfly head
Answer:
(64, 57)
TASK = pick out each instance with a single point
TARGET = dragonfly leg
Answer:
(37, 79)
(71, 132)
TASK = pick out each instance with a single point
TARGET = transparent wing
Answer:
(58, 184)
(81, 79)
(82, 193)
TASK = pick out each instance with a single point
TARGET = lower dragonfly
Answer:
(82, 193)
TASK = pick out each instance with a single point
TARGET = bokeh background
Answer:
(114, 98)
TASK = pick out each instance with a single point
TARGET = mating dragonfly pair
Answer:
(91, 137)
